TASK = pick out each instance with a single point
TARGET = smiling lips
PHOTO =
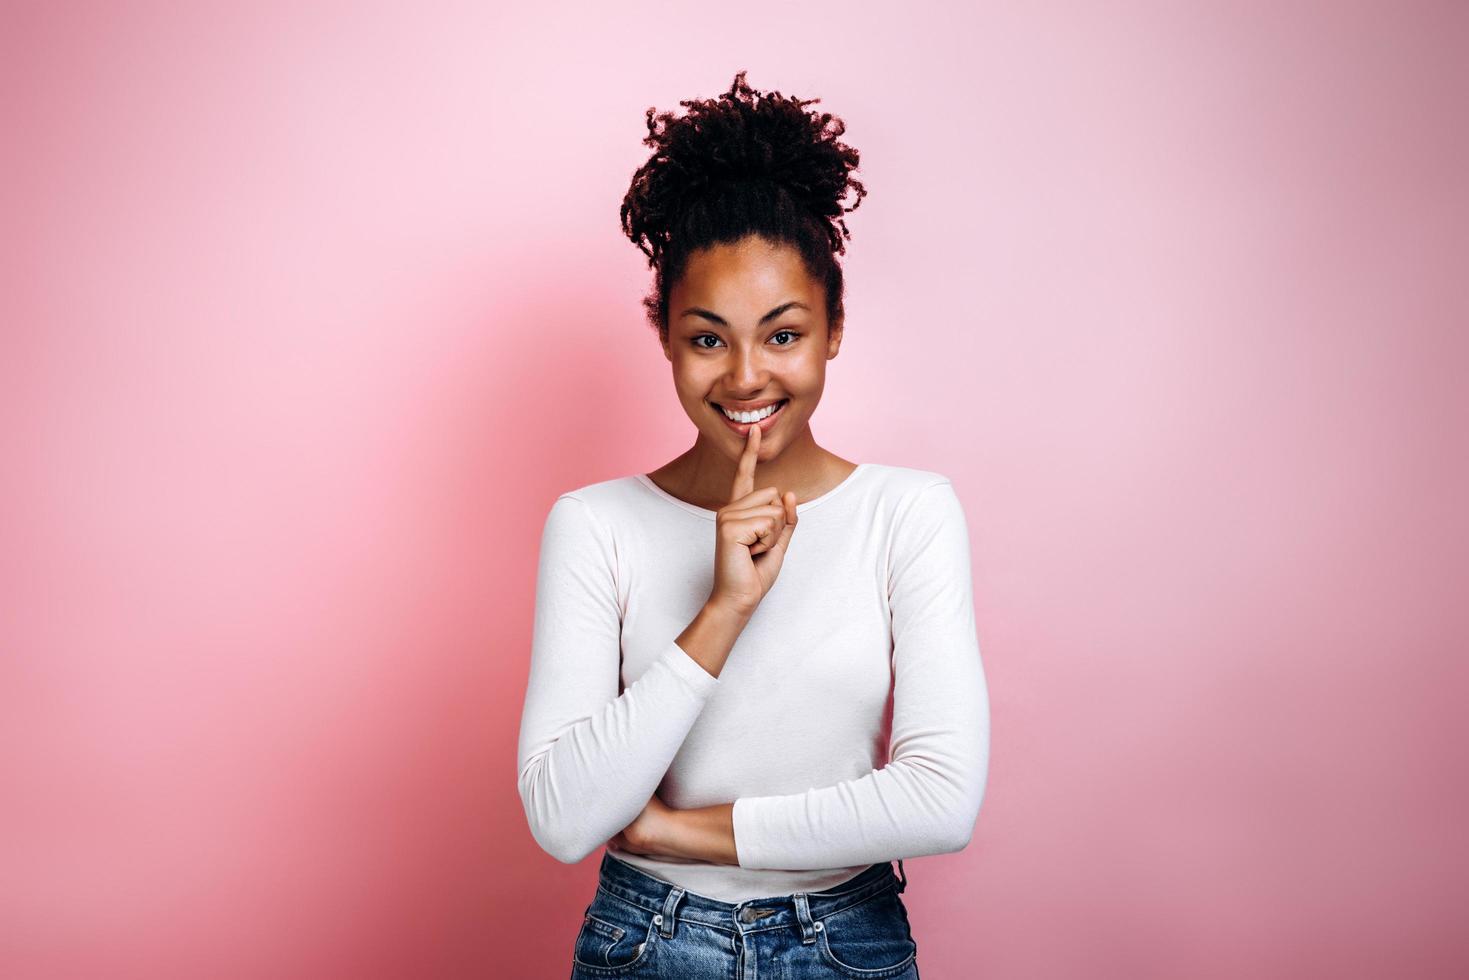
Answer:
(765, 424)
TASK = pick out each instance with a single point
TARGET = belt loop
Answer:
(665, 921)
(902, 877)
(803, 916)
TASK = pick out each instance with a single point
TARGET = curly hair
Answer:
(744, 163)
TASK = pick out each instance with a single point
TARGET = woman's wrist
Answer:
(711, 635)
(703, 833)
(727, 613)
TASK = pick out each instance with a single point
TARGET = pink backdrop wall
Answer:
(308, 314)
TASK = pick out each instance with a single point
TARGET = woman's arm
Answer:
(927, 798)
(703, 833)
(589, 759)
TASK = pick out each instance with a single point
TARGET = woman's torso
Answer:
(804, 699)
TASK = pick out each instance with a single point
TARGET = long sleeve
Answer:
(589, 759)
(927, 798)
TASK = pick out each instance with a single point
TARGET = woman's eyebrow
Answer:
(715, 317)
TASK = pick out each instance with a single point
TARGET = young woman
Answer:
(754, 673)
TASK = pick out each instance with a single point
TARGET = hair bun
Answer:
(744, 137)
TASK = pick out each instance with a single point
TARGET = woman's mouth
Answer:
(743, 428)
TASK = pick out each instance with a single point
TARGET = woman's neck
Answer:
(702, 475)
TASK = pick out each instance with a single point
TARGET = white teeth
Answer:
(750, 416)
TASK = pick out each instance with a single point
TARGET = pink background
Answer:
(308, 314)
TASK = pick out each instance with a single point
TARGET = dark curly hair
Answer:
(745, 163)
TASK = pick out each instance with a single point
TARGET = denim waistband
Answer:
(671, 902)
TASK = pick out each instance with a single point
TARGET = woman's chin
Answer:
(735, 448)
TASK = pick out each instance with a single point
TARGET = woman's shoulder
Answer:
(914, 501)
(603, 496)
(590, 514)
(903, 481)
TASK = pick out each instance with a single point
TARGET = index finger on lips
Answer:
(744, 478)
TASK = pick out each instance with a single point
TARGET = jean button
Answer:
(747, 915)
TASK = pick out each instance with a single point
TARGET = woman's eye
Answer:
(716, 341)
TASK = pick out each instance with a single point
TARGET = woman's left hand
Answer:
(644, 834)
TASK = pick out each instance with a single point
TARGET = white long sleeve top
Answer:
(849, 725)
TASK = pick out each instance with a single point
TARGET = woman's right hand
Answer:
(751, 535)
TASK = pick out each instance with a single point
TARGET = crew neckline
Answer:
(707, 514)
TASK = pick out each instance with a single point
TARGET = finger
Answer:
(776, 510)
(753, 530)
(744, 478)
(778, 548)
(765, 495)
(769, 535)
(782, 515)
(789, 527)
(761, 531)
(786, 523)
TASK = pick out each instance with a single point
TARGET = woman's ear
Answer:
(833, 338)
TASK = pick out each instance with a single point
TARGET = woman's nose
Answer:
(747, 373)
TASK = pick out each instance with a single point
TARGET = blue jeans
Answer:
(641, 926)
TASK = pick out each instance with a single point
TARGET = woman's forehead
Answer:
(744, 275)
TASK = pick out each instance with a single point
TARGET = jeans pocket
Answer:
(870, 939)
(616, 937)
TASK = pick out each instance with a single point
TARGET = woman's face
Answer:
(747, 327)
